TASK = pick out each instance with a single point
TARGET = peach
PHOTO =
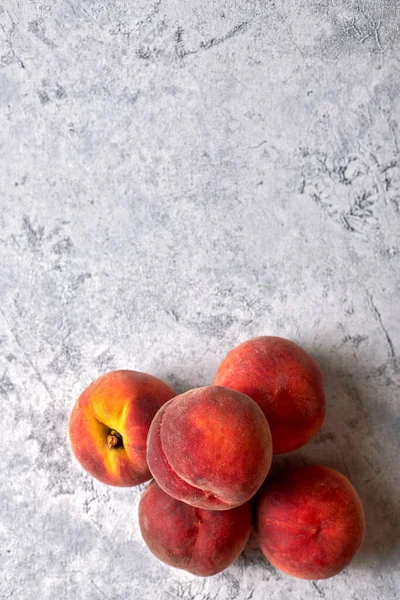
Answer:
(310, 521)
(284, 381)
(203, 542)
(210, 447)
(109, 425)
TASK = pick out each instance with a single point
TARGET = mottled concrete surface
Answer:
(175, 178)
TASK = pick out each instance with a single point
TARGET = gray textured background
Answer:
(175, 178)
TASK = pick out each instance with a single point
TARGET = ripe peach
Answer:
(109, 425)
(210, 447)
(284, 381)
(310, 521)
(203, 542)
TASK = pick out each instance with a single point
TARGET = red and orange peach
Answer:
(286, 383)
(109, 425)
(203, 542)
(310, 521)
(210, 447)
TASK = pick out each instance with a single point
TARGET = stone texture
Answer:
(176, 178)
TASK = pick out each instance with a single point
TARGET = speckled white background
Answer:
(175, 178)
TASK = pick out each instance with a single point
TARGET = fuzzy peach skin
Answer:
(109, 424)
(210, 447)
(286, 383)
(203, 542)
(310, 521)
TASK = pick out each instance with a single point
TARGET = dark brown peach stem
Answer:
(114, 440)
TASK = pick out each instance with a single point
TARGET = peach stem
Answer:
(114, 440)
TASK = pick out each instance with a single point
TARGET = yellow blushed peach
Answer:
(109, 425)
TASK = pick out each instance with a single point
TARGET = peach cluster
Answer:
(209, 451)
